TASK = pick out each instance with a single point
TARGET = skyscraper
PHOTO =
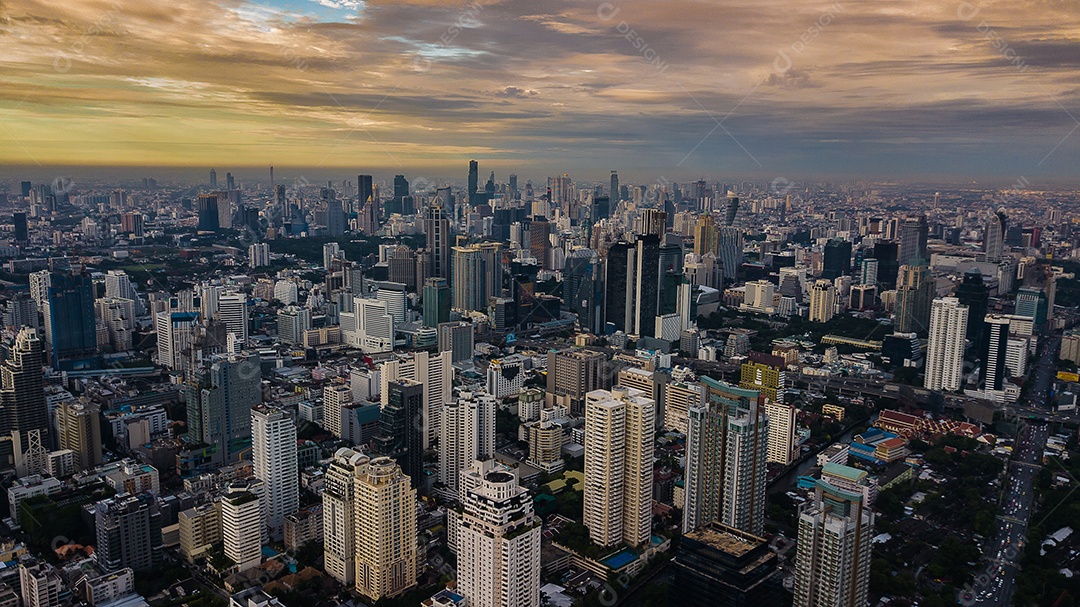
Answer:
(822, 301)
(243, 522)
(613, 190)
(617, 264)
(994, 235)
(232, 310)
(436, 374)
(401, 434)
(70, 323)
(832, 562)
(732, 209)
(913, 235)
(993, 372)
(386, 552)
(468, 434)
(498, 544)
(837, 260)
(273, 457)
(209, 215)
(618, 466)
(973, 293)
(945, 347)
(458, 339)
(646, 289)
(22, 396)
(437, 231)
(724, 567)
(339, 516)
(706, 236)
(726, 452)
(79, 426)
(219, 402)
(731, 252)
(914, 294)
(474, 180)
(128, 530)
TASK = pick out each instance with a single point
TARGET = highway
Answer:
(995, 582)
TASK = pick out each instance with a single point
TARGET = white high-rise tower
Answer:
(945, 347)
(273, 454)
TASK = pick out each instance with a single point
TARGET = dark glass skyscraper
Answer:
(474, 179)
(22, 392)
(914, 232)
(22, 231)
(973, 293)
(616, 280)
(208, 213)
(70, 324)
(837, 260)
(400, 428)
(888, 267)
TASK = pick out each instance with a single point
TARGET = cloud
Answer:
(513, 92)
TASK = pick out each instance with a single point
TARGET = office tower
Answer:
(618, 263)
(822, 301)
(832, 561)
(22, 229)
(539, 242)
(79, 426)
(230, 181)
(613, 190)
(396, 298)
(727, 443)
(973, 293)
(993, 372)
(292, 322)
(457, 339)
(732, 209)
(339, 515)
(468, 434)
(335, 218)
(128, 530)
(437, 232)
(645, 285)
(1032, 303)
(652, 221)
(273, 457)
(213, 179)
(436, 373)
(994, 235)
(200, 529)
(232, 310)
(370, 326)
(913, 235)
(386, 552)
(887, 253)
(572, 374)
(619, 427)
(365, 190)
(243, 521)
(41, 585)
(945, 348)
(474, 180)
(782, 444)
(219, 402)
(401, 431)
(731, 252)
(258, 255)
(22, 396)
(402, 266)
(498, 544)
(725, 567)
(868, 272)
(436, 302)
(209, 215)
(70, 324)
(914, 294)
(837, 261)
(335, 398)
(706, 236)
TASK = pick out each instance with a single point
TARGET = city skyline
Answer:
(949, 92)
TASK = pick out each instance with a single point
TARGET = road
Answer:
(995, 583)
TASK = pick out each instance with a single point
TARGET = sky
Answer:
(671, 89)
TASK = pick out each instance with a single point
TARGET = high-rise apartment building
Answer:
(274, 460)
(339, 516)
(996, 331)
(435, 372)
(243, 521)
(945, 346)
(78, 424)
(456, 338)
(219, 402)
(914, 294)
(232, 310)
(385, 517)
(726, 452)
(832, 561)
(619, 428)
(128, 529)
(468, 434)
(498, 544)
(335, 398)
(822, 301)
